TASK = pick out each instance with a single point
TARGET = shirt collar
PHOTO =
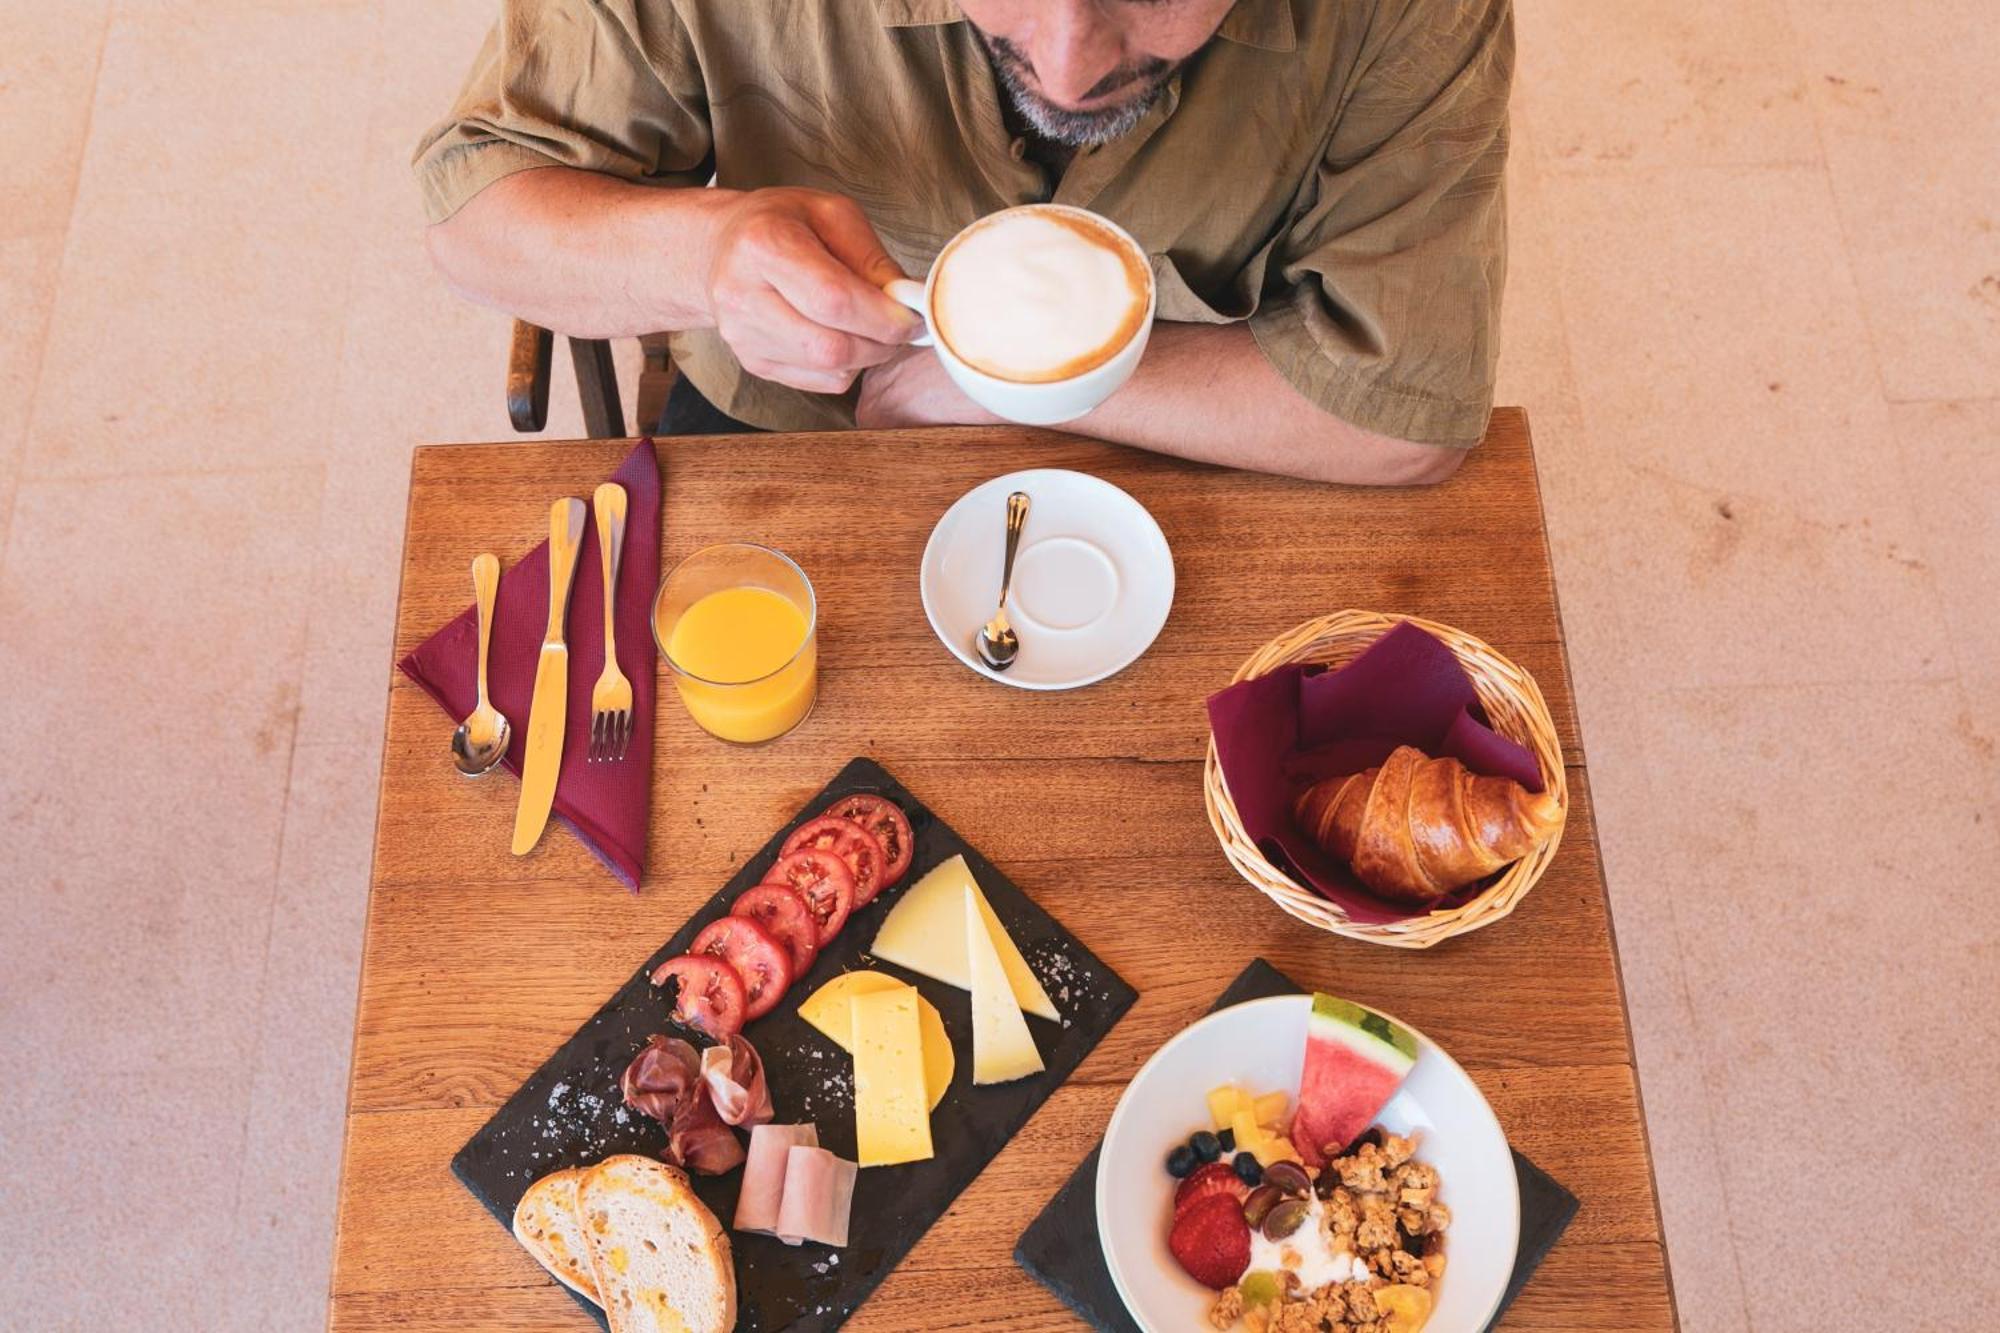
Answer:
(918, 13)
(1265, 24)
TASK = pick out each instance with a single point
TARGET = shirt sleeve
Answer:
(1388, 309)
(604, 85)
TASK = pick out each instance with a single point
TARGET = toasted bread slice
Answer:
(660, 1258)
(546, 1223)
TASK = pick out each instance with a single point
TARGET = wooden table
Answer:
(478, 964)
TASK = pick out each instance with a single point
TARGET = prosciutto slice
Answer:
(660, 1078)
(699, 1139)
(734, 1073)
(698, 1096)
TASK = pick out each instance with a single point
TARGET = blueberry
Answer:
(1228, 1138)
(1247, 1169)
(1206, 1146)
(1180, 1161)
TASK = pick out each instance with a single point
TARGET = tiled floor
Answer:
(1754, 311)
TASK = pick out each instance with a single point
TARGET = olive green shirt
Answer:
(1328, 171)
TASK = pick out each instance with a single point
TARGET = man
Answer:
(1318, 184)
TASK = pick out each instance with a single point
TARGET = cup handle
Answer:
(907, 291)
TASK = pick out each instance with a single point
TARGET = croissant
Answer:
(1416, 828)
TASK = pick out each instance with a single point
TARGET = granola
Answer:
(1375, 1207)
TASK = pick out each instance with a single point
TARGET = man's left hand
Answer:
(912, 389)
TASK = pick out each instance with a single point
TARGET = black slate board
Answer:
(569, 1113)
(1060, 1249)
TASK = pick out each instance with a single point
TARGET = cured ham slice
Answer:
(698, 1096)
(734, 1073)
(757, 1203)
(819, 1195)
(701, 1141)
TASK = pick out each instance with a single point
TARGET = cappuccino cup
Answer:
(1039, 313)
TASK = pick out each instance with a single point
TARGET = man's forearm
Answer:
(584, 254)
(1205, 392)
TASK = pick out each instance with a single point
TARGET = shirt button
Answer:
(1018, 149)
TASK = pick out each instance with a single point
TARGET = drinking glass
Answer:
(739, 673)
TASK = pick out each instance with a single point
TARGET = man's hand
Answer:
(912, 389)
(795, 289)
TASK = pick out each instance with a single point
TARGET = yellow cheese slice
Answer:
(925, 932)
(892, 1121)
(830, 1010)
(1002, 1047)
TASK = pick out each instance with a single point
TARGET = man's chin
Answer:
(1087, 127)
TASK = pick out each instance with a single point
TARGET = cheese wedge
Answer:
(892, 1120)
(1002, 1047)
(830, 1010)
(925, 932)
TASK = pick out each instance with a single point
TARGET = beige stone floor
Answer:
(1755, 311)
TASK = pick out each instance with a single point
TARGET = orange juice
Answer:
(747, 666)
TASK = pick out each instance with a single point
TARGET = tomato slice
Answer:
(824, 881)
(891, 827)
(779, 909)
(860, 849)
(760, 960)
(711, 995)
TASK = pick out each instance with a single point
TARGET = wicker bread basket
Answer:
(1513, 705)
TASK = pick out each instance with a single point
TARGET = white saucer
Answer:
(1093, 581)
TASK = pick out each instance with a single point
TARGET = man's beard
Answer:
(1079, 129)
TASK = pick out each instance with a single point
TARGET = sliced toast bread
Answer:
(660, 1259)
(546, 1223)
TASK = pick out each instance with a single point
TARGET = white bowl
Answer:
(1261, 1044)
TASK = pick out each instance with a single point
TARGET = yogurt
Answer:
(1307, 1253)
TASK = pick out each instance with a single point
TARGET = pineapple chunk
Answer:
(1261, 1142)
(1270, 1108)
(1250, 1136)
(1223, 1104)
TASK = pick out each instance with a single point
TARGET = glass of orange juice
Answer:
(737, 623)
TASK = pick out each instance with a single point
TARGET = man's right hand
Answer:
(795, 289)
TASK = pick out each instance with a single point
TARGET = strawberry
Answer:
(1211, 1241)
(1203, 1182)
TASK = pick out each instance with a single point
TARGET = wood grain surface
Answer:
(478, 964)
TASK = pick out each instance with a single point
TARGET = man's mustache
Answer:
(1150, 70)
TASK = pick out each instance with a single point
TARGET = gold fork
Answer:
(611, 698)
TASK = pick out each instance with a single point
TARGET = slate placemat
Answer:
(569, 1111)
(1061, 1251)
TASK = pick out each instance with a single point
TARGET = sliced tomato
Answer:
(824, 881)
(711, 995)
(760, 959)
(891, 827)
(860, 849)
(779, 909)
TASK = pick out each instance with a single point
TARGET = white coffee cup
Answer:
(1033, 402)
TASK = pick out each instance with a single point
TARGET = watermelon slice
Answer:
(1355, 1061)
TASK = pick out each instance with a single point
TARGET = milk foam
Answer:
(1032, 297)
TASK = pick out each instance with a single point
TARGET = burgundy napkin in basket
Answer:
(604, 803)
(1279, 733)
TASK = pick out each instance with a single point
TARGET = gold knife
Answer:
(550, 709)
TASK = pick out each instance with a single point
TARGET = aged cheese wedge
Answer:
(925, 932)
(1002, 1047)
(830, 1010)
(892, 1120)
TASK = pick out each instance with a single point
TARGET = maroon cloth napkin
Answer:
(604, 803)
(1278, 734)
